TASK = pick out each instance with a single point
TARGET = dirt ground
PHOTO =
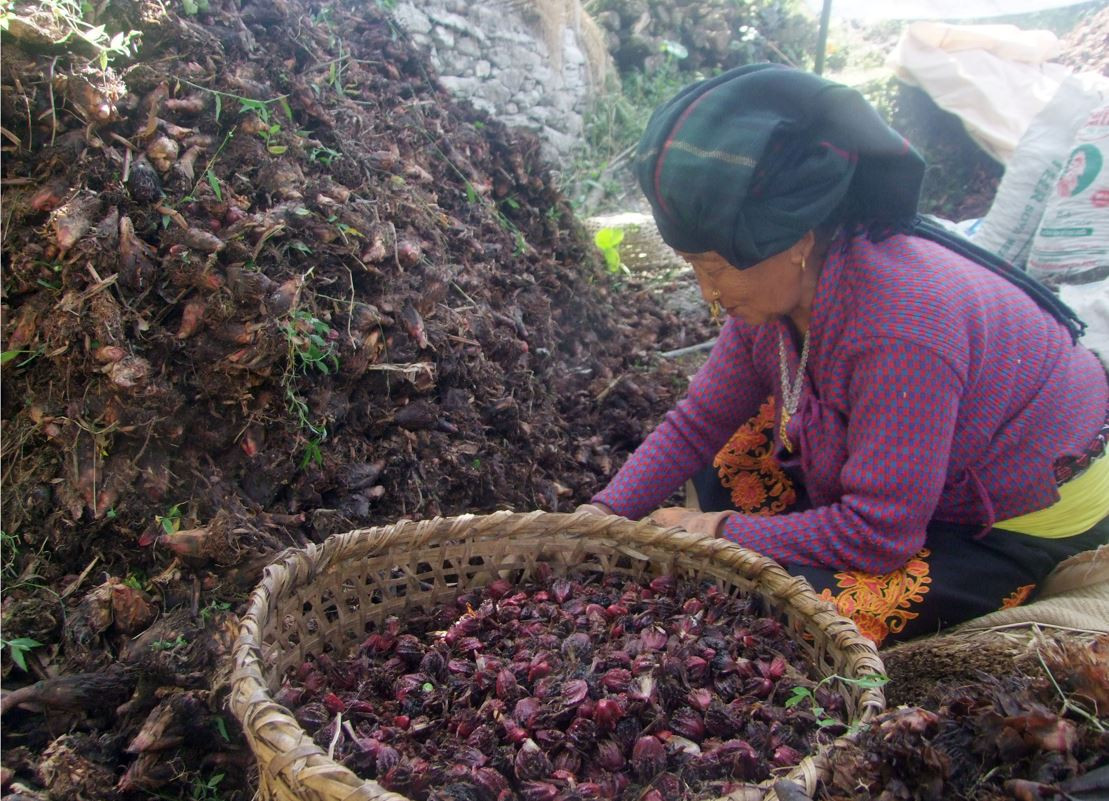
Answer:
(265, 283)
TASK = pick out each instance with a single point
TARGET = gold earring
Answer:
(714, 306)
(802, 264)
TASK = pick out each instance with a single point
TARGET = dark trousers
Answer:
(957, 576)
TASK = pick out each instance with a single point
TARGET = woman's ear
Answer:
(802, 250)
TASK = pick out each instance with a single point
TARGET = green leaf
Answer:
(871, 681)
(285, 107)
(219, 106)
(213, 182)
(18, 649)
(221, 727)
(171, 521)
(675, 49)
(799, 695)
(608, 238)
(277, 150)
(8, 355)
(612, 259)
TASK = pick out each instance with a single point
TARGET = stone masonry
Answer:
(494, 56)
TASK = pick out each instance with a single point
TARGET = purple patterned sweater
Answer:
(934, 390)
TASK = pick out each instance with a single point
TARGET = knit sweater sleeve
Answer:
(903, 401)
(725, 392)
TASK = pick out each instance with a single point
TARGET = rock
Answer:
(412, 19)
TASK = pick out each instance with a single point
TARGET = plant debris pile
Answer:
(264, 283)
(1087, 46)
(703, 35)
(1032, 734)
(562, 689)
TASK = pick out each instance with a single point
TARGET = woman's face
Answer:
(772, 288)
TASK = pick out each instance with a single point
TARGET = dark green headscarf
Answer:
(745, 163)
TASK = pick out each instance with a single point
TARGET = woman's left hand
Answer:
(691, 520)
(672, 516)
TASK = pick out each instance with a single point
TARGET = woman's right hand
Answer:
(595, 509)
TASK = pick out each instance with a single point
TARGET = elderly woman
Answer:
(889, 411)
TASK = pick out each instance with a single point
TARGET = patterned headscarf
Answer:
(745, 163)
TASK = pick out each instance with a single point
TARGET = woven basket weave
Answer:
(328, 596)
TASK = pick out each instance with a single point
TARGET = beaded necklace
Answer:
(791, 389)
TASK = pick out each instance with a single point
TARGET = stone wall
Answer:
(529, 64)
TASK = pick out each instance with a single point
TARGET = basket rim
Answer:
(299, 761)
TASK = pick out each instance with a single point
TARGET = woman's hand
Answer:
(711, 523)
(595, 509)
(672, 516)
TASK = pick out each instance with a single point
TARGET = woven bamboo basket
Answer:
(326, 597)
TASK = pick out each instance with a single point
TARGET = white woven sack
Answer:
(1029, 179)
(1072, 243)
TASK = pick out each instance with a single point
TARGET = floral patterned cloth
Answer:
(955, 577)
(746, 466)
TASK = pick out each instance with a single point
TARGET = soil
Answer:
(265, 283)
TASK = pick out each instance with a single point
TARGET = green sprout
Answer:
(70, 18)
(608, 241)
(11, 355)
(801, 695)
(213, 608)
(324, 155)
(261, 109)
(18, 650)
(171, 520)
(168, 645)
(308, 345)
(309, 349)
(313, 454)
